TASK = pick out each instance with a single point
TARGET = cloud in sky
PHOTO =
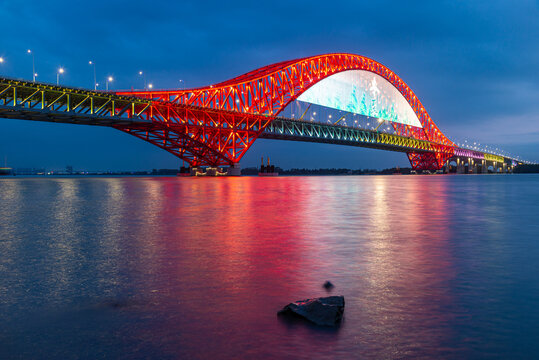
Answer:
(472, 64)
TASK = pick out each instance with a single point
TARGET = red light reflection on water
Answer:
(210, 261)
(238, 249)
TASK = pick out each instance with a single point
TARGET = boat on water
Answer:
(6, 171)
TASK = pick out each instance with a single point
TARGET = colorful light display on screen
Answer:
(362, 92)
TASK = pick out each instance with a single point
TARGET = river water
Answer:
(197, 268)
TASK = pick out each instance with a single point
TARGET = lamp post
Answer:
(143, 74)
(150, 86)
(182, 82)
(109, 80)
(33, 64)
(60, 71)
(95, 79)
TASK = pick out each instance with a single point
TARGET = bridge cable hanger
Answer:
(340, 119)
(381, 122)
(305, 112)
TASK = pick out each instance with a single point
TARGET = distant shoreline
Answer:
(249, 171)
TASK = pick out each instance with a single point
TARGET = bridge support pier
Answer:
(475, 168)
(234, 170)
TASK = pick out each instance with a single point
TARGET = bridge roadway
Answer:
(45, 102)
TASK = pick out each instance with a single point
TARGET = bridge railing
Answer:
(46, 102)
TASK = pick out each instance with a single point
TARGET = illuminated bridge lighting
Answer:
(216, 125)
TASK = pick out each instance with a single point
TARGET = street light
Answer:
(143, 74)
(95, 79)
(1, 60)
(60, 71)
(181, 81)
(109, 79)
(150, 86)
(33, 64)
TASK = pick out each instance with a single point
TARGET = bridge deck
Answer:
(298, 130)
(45, 102)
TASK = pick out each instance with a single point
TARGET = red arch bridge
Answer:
(335, 98)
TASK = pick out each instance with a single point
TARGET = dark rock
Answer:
(327, 311)
(116, 305)
(113, 304)
(328, 285)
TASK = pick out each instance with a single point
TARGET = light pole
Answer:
(95, 79)
(60, 71)
(33, 64)
(143, 74)
(181, 81)
(109, 79)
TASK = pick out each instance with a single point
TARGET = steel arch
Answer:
(268, 90)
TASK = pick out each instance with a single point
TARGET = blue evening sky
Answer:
(473, 64)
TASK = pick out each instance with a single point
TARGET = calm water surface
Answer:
(196, 268)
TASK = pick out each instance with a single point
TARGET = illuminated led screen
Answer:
(362, 92)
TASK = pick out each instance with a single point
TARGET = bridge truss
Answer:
(268, 90)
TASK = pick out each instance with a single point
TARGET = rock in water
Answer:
(328, 285)
(327, 311)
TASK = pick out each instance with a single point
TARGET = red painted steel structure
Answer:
(216, 125)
